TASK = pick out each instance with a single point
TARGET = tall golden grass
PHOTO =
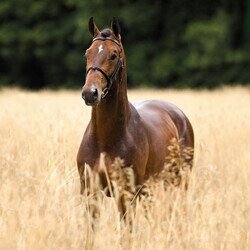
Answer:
(40, 204)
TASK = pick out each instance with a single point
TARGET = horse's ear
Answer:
(116, 27)
(94, 31)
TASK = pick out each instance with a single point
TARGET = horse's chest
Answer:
(124, 148)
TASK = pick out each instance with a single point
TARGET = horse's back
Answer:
(160, 115)
(166, 120)
(162, 121)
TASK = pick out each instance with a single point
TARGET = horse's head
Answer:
(104, 62)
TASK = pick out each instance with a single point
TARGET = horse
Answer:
(139, 134)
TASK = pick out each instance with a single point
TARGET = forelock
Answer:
(106, 33)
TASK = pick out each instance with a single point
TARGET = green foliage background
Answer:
(177, 43)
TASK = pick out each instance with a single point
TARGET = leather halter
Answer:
(112, 77)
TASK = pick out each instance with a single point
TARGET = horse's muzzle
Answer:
(90, 96)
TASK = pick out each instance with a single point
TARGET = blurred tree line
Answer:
(178, 43)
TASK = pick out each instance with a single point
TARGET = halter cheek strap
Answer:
(110, 79)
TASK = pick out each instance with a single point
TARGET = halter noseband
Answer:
(112, 77)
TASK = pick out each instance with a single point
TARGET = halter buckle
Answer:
(105, 92)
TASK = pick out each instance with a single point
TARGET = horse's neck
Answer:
(109, 119)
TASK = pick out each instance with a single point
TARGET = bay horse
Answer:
(139, 134)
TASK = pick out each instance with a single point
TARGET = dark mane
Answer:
(106, 33)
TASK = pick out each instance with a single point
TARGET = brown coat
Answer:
(139, 134)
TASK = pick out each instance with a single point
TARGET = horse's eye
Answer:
(113, 57)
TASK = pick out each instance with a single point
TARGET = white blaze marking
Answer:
(100, 49)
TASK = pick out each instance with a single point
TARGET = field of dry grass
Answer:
(40, 205)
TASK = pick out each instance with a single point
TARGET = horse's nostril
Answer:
(94, 92)
(90, 96)
(83, 95)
